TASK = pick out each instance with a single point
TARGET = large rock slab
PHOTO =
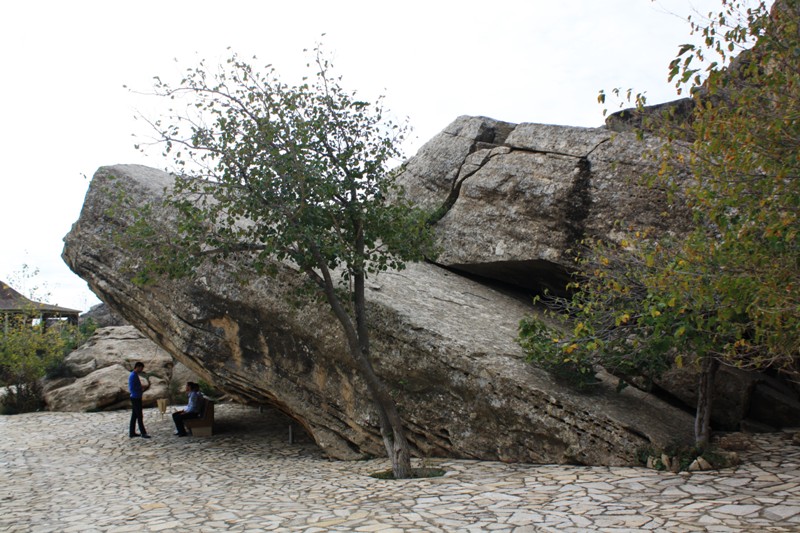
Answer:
(516, 201)
(444, 344)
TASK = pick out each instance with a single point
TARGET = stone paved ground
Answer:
(80, 472)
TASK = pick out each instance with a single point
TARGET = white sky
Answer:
(65, 111)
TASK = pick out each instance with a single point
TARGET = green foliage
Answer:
(269, 172)
(730, 289)
(176, 394)
(29, 352)
(31, 349)
(208, 390)
(612, 318)
(738, 271)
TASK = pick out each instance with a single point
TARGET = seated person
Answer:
(192, 409)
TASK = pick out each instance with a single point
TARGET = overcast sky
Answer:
(66, 113)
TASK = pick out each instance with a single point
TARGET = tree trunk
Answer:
(705, 397)
(394, 438)
(392, 432)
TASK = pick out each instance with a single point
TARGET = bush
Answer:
(30, 352)
(23, 398)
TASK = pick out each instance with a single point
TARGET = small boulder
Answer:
(97, 373)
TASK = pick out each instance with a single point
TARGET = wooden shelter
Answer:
(13, 303)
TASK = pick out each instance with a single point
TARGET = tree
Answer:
(729, 292)
(27, 353)
(269, 172)
(30, 349)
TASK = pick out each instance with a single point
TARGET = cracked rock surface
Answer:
(515, 200)
(444, 344)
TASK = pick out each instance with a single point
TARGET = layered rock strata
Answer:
(444, 344)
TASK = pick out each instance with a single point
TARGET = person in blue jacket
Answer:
(192, 409)
(135, 388)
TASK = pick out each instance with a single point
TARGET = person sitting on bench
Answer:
(192, 409)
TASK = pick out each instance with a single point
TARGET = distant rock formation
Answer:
(96, 374)
(102, 316)
(512, 199)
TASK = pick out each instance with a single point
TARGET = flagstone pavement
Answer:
(79, 472)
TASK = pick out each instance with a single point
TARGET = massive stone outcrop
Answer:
(516, 201)
(443, 343)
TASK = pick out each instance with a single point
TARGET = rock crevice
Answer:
(517, 211)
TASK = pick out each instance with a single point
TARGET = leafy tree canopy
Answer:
(286, 172)
(728, 292)
(271, 172)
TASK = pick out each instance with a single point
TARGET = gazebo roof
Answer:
(13, 302)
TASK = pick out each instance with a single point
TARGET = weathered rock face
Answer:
(97, 372)
(517, 200)
(444, 344)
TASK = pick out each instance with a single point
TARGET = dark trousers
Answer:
(178, 418)
(137, 415)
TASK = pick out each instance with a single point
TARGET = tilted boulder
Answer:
(100, 389)
(444, 344)
(516, 200)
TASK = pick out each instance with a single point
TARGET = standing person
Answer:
(135, 388)
(192, 409)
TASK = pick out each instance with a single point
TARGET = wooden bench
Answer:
(203, 426)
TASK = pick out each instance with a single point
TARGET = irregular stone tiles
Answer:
(79, 472)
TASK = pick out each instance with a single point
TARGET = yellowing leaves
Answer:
(571, 348)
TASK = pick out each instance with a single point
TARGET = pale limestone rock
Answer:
(98, 372)
(517, 199)
(445, 345)
(102, 388)
(704, 465)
